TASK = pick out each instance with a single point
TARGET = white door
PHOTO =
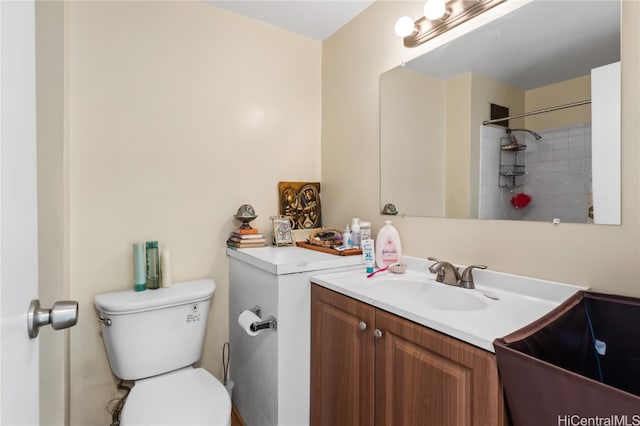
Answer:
(19, 390)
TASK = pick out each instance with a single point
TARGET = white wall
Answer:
(605, 83)
(179, 113)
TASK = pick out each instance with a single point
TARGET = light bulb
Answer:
(404, 26)
(434, 9)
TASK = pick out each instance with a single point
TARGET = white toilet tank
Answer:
(151, 332)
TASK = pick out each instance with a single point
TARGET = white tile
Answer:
(577, 164)
(577, 130)
(544, 189)
(577, 152)
(577, 176)
(543, 144)
(560, 154)
(545, 178)
(561, 166)
(545, 156)
(560, 143)
(561, 200)
(574, 188)
(578, 200)
(576, 141)
(560, 181)
(545, 199)
(560, 133)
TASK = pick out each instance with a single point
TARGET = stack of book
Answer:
(245, 238)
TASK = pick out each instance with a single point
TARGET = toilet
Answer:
(154, 337)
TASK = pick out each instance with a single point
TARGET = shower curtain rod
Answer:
(539, 111)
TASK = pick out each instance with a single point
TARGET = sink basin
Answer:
(501, 303)
(458, 302)
(428, 293)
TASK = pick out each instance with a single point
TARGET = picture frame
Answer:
(301, 202)
(282, 226)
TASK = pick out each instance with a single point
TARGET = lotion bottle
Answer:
(139, 277)
(388, 247)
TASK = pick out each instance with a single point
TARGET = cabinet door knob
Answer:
(362, 325)
(377, 333)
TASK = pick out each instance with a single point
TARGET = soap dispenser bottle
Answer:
(346, 238)
(388, 247)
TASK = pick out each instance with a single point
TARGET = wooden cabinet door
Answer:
(426, 378)
(342, 357)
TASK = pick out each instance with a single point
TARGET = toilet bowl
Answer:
(154, 337)
(190, 396)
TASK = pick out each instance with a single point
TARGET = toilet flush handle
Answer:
(105, 321)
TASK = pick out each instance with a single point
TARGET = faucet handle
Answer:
(466, 278)
(436, 267)
(445, 272)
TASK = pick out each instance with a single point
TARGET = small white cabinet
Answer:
(271, 370)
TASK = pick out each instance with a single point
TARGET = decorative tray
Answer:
(330, 250)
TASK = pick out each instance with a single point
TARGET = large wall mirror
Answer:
(438, 159)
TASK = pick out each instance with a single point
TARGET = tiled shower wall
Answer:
(493, 202)
(558, 177)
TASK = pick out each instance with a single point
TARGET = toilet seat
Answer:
(190, 396)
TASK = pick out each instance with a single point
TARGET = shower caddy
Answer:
(512, 166)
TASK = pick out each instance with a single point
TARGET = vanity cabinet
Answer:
(370, 367)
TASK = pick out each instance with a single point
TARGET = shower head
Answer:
(535, 135)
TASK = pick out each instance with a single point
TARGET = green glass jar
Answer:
(153, 265)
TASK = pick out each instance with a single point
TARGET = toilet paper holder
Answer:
(269, 323)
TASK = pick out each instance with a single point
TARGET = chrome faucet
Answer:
(446, 273)
(466, 279)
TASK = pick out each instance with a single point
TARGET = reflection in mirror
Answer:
(439, 160)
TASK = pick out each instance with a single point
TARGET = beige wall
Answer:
(413, 126)
(430, 154)
(565, 92)
(50, 97)
(176, 117)
(458, 173)
(179, 113)
(604, 257)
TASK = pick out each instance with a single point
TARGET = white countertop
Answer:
(292, 259)
(521, 299)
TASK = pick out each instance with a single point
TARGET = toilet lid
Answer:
(187, 397)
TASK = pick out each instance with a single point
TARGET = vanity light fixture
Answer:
(440, 16)
(435, 9)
